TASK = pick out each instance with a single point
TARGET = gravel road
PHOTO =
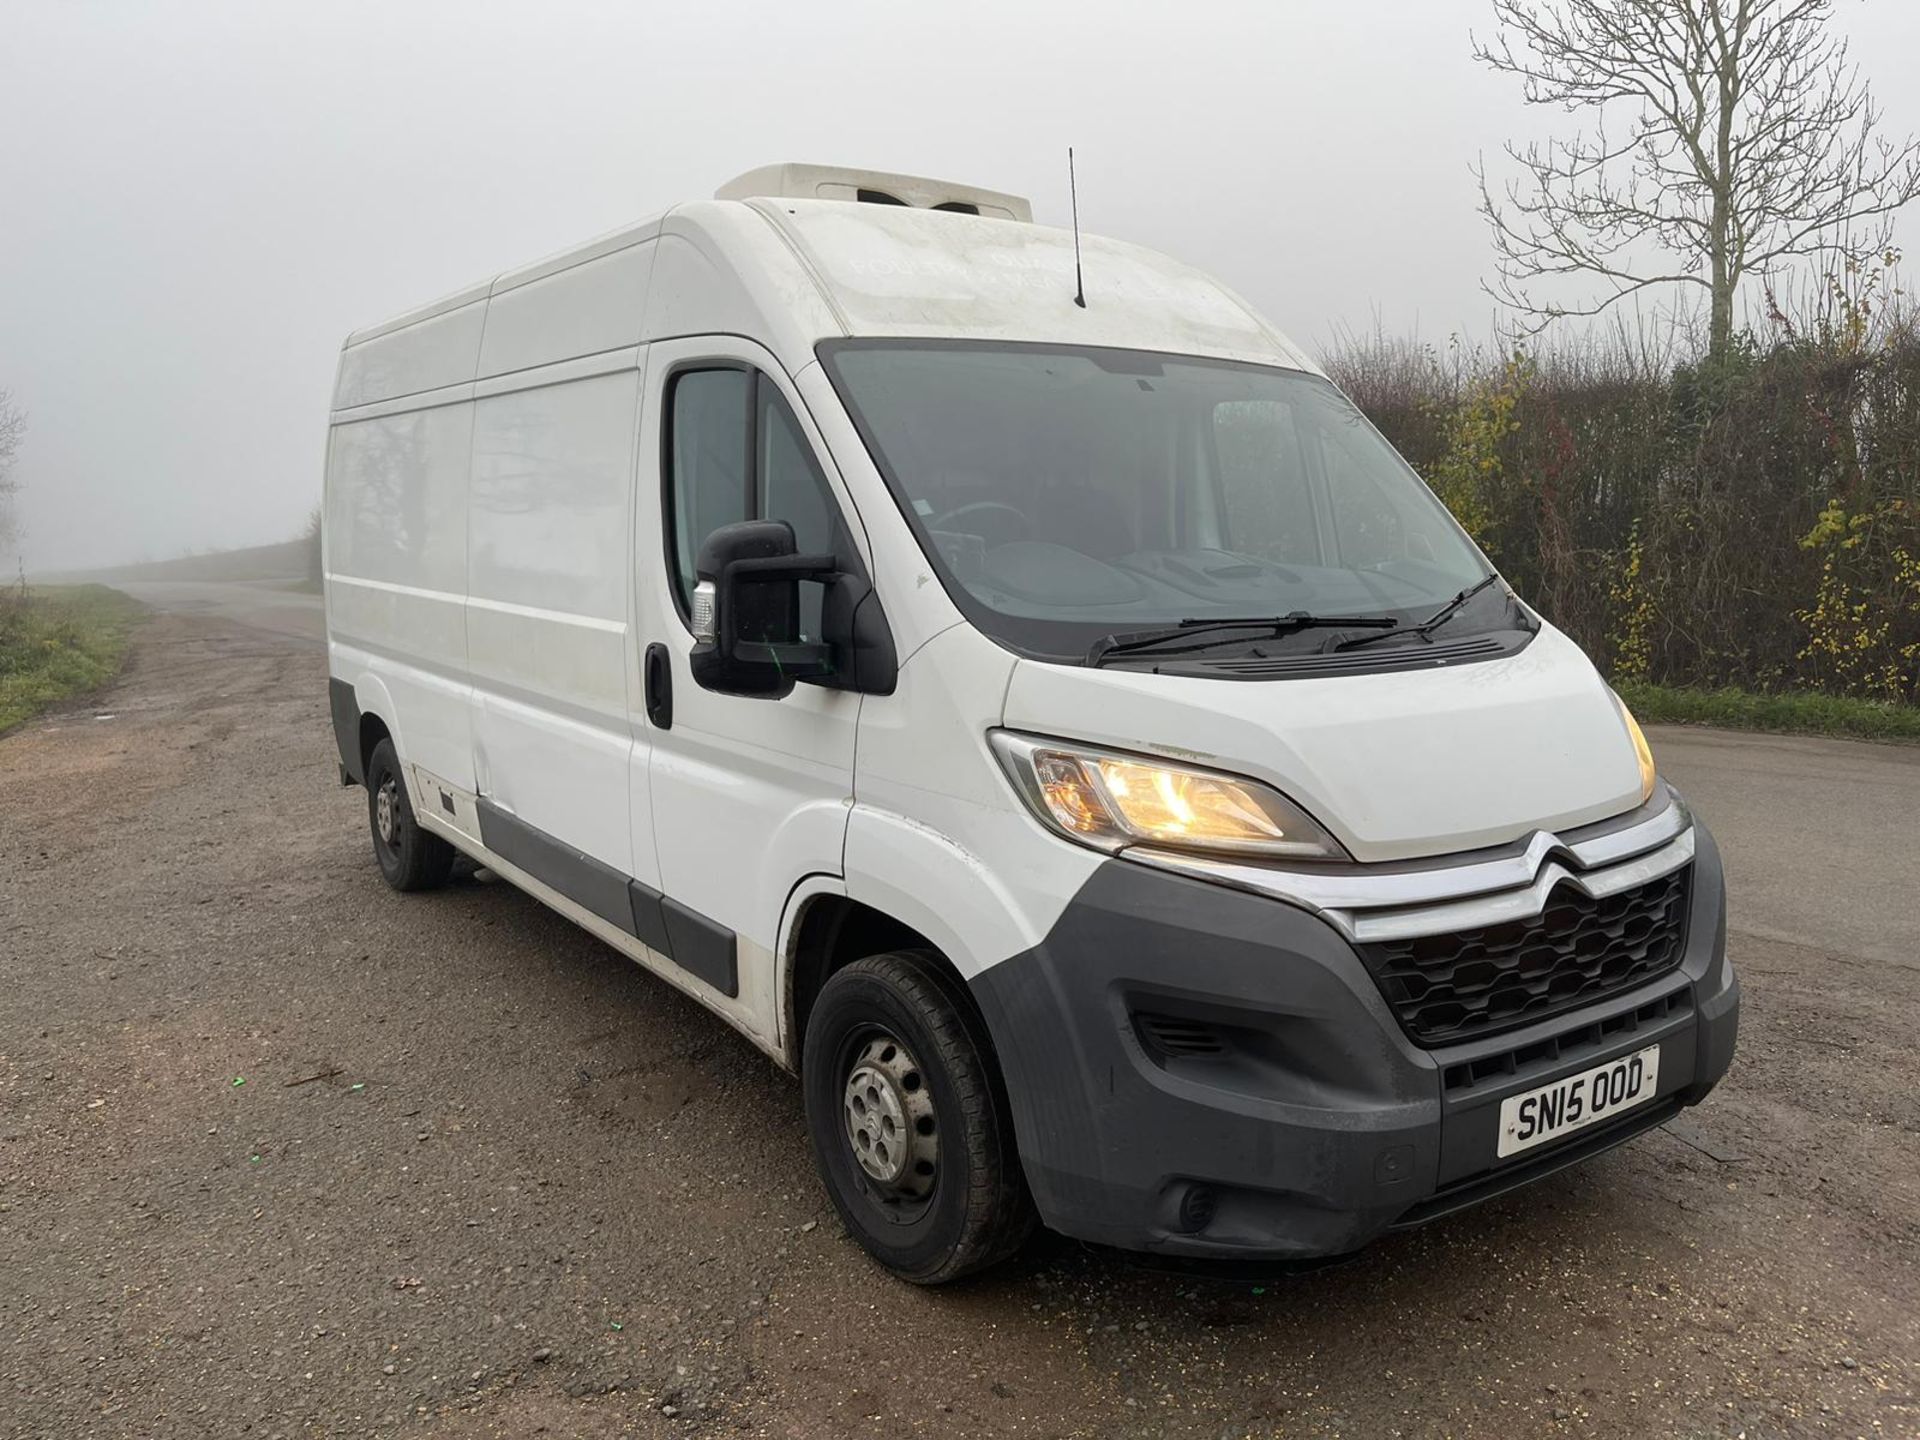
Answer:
(285, 1154)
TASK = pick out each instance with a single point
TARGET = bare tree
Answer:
(1730, 139)
(13, 429)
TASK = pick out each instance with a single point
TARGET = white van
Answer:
(1057, 726)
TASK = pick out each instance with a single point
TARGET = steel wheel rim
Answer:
(386, 812)
(889, 1124)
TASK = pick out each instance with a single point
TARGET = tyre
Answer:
(909, 1121)
(410, 858)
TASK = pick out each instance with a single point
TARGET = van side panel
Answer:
(548, 606)
(397, 576)
(584, 309)
(411, 358)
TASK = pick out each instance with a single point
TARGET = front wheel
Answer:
(909, 1124)
(410, 858)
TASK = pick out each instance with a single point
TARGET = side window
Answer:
(738, 453)
(712, 415)
(790, 487)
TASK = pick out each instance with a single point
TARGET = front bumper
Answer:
(1203, 1072)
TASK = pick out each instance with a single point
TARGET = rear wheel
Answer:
(410, 858)
(910, 1129)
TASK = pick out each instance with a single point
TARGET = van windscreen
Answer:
(1066, 494)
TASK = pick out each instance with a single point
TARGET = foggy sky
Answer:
(199, 200)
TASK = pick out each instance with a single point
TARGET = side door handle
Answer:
(657, 674)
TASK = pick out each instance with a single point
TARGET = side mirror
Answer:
(746, 611)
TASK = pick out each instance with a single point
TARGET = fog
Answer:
(198, 200)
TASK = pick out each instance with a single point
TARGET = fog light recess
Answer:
(1197, 1209)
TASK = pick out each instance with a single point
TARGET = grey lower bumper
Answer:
(1312, 1123)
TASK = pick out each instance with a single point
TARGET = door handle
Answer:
(657, 675)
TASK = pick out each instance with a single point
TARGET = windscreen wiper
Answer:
(1163, 640)
(1427, 626)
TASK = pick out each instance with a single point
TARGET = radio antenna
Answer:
(1073, 195)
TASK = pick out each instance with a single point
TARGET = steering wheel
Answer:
(978, 507)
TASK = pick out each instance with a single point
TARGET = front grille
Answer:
(1460, 986)
(1507, 1067)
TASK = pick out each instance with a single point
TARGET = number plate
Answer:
(1537, 1116)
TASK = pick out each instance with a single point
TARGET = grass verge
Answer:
(1799, 714)
(59, 641)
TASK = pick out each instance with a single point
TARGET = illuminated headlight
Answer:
(1111, 800)
(1640, 749)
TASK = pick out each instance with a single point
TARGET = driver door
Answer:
(749, 794)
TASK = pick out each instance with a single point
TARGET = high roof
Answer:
(887, 270)
(791, 272)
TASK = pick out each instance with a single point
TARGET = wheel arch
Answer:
(377, 719)
(908, 886)
(372, 731)
(825, 930)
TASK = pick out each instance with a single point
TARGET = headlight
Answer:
(1111, 800)
(1640, 748)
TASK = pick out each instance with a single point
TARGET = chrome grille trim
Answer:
(1398, 903)
(1523, 904)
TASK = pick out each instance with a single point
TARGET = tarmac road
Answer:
(483, 1177)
